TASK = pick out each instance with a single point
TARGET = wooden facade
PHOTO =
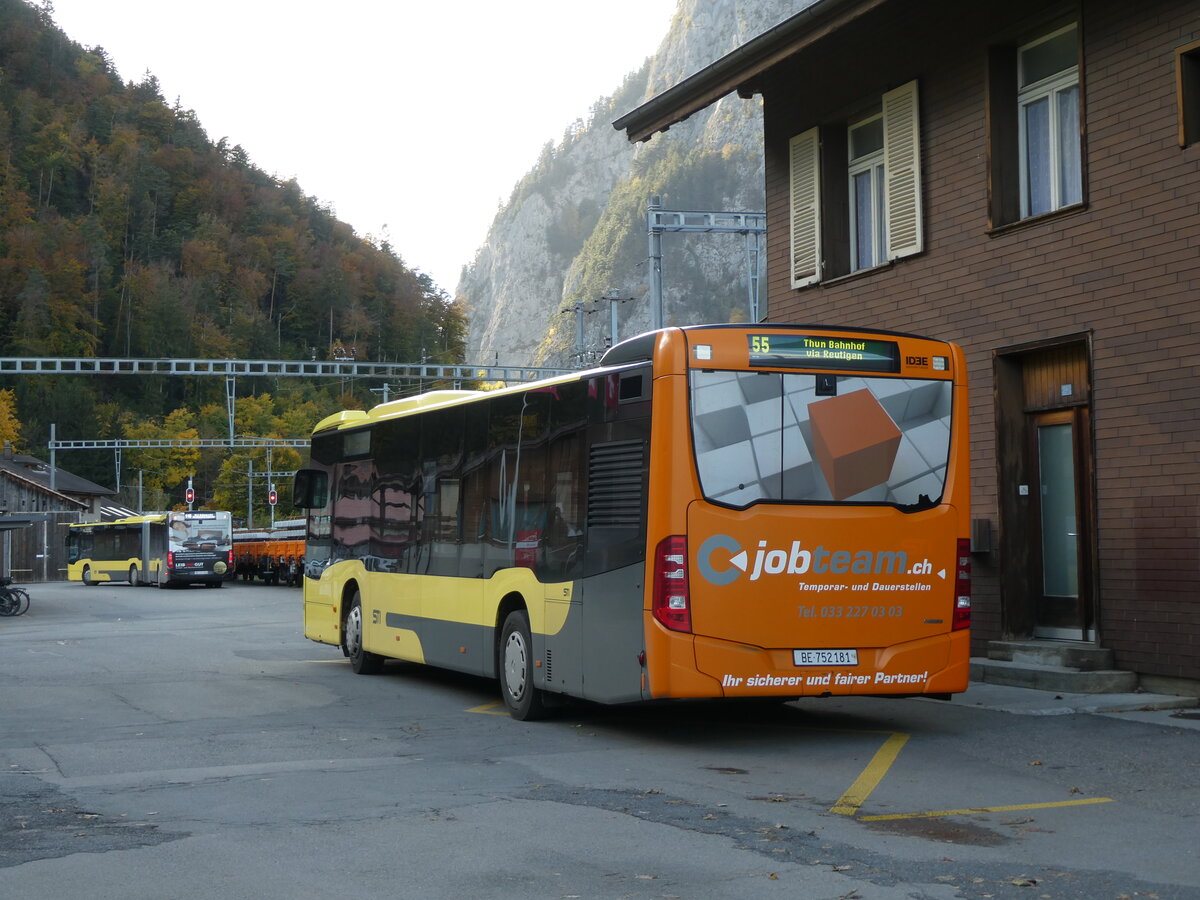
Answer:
(1081, 324)
(34, 517)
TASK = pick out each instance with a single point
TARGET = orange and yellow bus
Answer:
(715, 511)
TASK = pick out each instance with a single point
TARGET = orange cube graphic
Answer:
(854, 441)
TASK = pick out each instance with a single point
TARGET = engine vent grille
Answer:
(616, 476)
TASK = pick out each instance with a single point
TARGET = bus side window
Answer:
(474, 491)
(566, 479)
(441, 465)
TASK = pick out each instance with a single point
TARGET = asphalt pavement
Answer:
(160, 745)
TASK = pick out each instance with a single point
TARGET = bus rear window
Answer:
(824, 438)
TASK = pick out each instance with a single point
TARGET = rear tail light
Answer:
(170, 559)
(671, 604)
(962, 587)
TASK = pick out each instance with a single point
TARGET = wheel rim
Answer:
(516, 660)
(354, 630)
(87, 575)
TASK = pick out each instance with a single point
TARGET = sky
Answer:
(411, 120)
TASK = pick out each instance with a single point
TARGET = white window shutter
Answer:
(902, 164)
(805, 169)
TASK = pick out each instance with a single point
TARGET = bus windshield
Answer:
(806, 438)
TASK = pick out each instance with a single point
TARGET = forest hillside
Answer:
(125, 231)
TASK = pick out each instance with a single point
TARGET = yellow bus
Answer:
(162, 549)
(715, 511)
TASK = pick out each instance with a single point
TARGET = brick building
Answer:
(1023, 178)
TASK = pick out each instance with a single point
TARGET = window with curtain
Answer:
(1048, 121)
(1036, 122)
(866, 193)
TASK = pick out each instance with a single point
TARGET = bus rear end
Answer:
(817, 542)
(199, 548)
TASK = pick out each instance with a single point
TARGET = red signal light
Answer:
(189, 496)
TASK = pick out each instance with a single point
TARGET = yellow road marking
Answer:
(852, 800)
(985, 809)
(848, 804)
(490, 709)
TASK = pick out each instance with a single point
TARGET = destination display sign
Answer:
(824, 352)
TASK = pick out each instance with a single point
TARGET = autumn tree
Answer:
(10, 425)
(163, 467)
(126, 232)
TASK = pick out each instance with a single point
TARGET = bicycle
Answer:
(14, 601)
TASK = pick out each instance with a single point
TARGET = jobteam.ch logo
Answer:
(722, 560)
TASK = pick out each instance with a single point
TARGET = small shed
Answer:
(32, 513)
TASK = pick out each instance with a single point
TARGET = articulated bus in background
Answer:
(160, 549)
(716, 511)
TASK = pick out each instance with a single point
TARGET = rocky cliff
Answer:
(574, 229)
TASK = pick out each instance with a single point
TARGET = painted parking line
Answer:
(495, 708)
(852, 800)
(985, 809)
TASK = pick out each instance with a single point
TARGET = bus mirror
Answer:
(310, 489)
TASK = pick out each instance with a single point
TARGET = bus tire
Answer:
(134, 581)
(361, 661)
(86, 577)
(524, 701)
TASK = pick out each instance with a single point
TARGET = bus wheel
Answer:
(523, 700)
(133, 576)
(86, 577)
(362, 662)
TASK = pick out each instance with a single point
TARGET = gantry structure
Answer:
(232, 369)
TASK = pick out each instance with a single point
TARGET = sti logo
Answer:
(722, 560)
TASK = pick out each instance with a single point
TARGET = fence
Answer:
(39, 552)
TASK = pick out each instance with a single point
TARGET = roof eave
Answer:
(736, 70)
(45, 489)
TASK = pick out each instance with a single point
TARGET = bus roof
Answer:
(154, 517)
(638, 349)
(351, 418)
(128, 520)
(641, 347)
